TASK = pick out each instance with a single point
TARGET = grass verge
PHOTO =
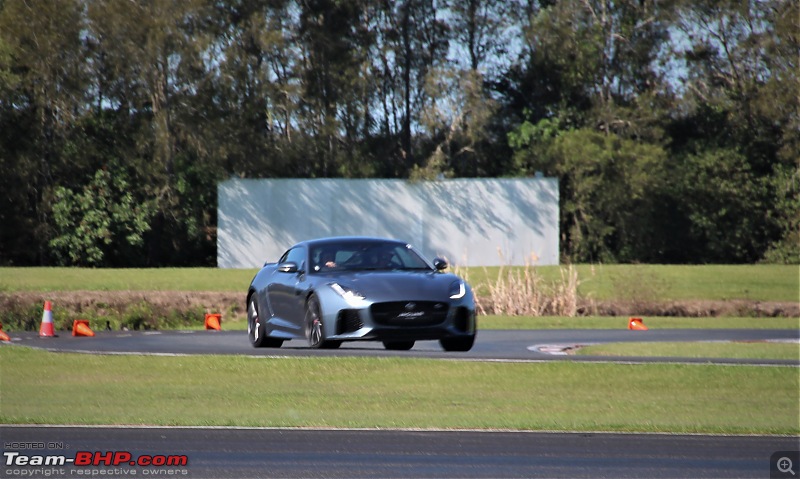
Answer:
(599, 282)
(738, 350)
(41, 387)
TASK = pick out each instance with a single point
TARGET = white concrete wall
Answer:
(466, 221)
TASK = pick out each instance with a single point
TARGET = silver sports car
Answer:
(355, 289)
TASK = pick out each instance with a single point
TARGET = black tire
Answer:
(398, 345)
(256, 331)
(315, 328)
(458, 344)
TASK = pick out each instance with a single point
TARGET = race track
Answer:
(313, 453)
(491, 345)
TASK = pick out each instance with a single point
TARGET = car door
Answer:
(275, 290)
(286, 287)
(295, 286)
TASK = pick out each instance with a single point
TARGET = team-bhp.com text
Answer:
(49, 465)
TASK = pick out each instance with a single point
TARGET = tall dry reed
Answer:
(522, 291)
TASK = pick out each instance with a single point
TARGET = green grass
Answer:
(133, 279)
(41, 387)
(671, 282)
(600, 282)
(788, 351)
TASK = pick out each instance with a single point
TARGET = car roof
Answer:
(345, 239)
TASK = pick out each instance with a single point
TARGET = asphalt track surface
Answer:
(307, 453)
(312, 453)
(491, 345)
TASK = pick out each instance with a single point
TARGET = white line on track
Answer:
(355, 429)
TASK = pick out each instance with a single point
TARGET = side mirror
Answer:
(288, 267)
(439, 264)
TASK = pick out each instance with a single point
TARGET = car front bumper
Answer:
(362, 324)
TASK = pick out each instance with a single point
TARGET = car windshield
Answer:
(365, 256)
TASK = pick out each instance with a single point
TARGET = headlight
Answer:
(457, 290)
(353, 298)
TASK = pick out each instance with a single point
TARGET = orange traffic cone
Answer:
(46, 330)
(213, 321)
(80, 327)
(636, 324)
(3, 335)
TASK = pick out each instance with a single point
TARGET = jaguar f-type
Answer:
(331, 290)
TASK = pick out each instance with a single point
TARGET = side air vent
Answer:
(348, 321)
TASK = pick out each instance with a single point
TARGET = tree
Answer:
(43, 86)
(150, 58)
(609, 189)
(594, 63)
(457, 120)
(103, 225)
(627, 102)
(481, 30)
(250, 103)
(335, 43)
(741, 108)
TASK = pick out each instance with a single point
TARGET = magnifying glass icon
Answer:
(785, 465)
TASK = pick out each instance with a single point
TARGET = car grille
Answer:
(409, 313)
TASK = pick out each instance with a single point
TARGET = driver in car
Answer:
(327, 259)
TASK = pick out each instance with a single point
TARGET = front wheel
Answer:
(255, 327)
(315, 328)
(458, 344)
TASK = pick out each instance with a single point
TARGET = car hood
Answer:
(398, 285)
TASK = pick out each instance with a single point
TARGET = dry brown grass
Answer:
(521, 291)
(129, 309)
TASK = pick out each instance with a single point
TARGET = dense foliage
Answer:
(673, 126)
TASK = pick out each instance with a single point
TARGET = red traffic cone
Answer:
(213, 321)
(636, 324)
(80, 327)
(46, 330)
